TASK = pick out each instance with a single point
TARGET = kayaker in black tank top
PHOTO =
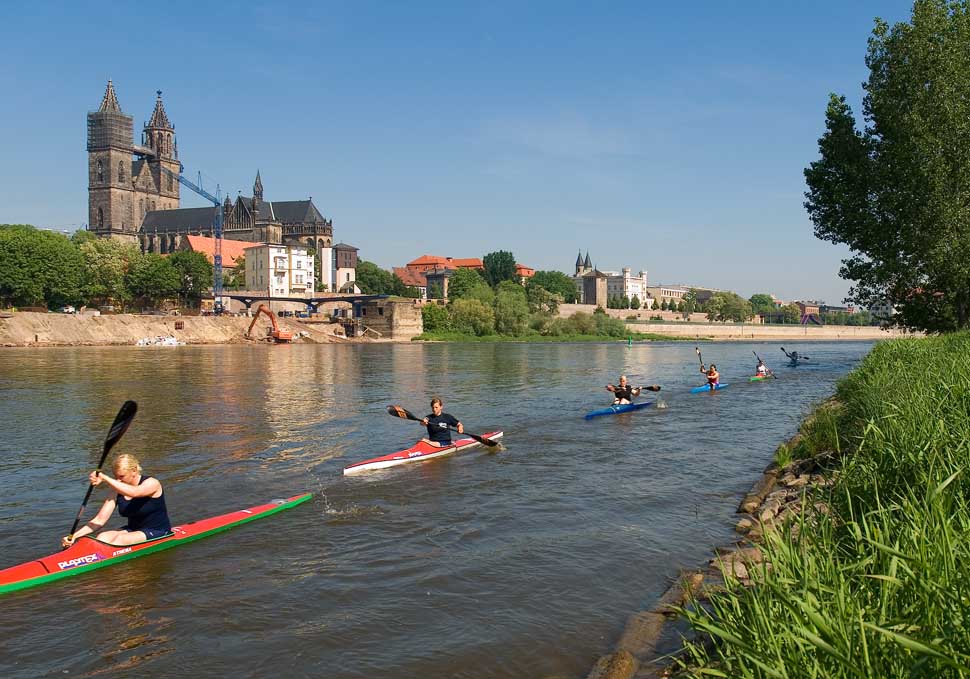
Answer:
(439, 425)
(623, 393)
(140, 499)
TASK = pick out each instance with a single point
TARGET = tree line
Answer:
(49, 269)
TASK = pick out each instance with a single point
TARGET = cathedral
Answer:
(133, 192)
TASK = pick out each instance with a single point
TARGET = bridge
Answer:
(248, 299)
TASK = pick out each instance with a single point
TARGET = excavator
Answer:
(279, 335)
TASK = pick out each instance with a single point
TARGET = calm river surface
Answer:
(522, 563)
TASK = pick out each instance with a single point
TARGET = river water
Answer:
(519, 563)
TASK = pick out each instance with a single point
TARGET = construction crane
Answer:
(217, 228)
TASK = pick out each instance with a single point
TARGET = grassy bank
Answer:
(463, 337)
(879, 584)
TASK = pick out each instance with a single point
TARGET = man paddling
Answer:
(439, 425)
(624, 394)
(794, 357)
(713, 376)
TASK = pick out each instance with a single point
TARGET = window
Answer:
(121, 171)
(380, 311)
(153, 205)
(299, 264)
(171, 183)
(100, 218)
(348, 278)
(100, 171)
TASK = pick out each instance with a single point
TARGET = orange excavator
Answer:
(279, 335)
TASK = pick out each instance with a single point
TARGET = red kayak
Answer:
(416, 453)
(88, 553)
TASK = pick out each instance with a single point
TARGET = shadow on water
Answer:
(521, 562)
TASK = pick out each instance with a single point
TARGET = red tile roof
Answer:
(231, 249)
(524, 271)
(425, 262)
(410, 277)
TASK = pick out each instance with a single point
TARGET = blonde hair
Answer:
(127, 463)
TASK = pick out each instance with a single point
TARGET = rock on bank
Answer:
(40, 329)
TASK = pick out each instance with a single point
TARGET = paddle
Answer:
(699, 358)
(118, 429)
(766, 366)
(398, 411)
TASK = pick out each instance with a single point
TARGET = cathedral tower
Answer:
(110, 143)
(159, 139)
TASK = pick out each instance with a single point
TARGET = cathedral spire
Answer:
(159, 118)
(109, 103)
(258, 188)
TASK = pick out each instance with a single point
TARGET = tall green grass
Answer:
(880, 585)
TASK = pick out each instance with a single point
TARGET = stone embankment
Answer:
(28, 329)
(782, 496)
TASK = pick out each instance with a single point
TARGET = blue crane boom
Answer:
(217, 229)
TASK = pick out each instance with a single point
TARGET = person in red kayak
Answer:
(139, 499)
(439, 425)
(713, 376)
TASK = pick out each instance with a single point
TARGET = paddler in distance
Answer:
(140, 499)
(439, 425)
(624, 394)
(762, 370)
(713, 376)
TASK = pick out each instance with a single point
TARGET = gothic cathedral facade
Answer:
(133, 192)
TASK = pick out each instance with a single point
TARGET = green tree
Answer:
(896, 191)
(152, 278)
(556, 282)
(624, 302)
(690, 301)
(194, 272)
(681, 306)
(435, 318)
(435, 291)
(791, 313)
(106, 261)
(511, 310)
(234, 278)
(635, 302)
(471, 317)
(542, 301)
(464, 281)
(373, 280)
(499, 266)
(663, 305)
(762, 303)
(40, 267)
(656, 305)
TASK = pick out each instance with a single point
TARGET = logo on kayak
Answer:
(119, 552)
(415, 454)
(79, 561)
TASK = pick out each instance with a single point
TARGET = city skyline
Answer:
(671, 139)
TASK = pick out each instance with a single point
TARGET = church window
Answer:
(153, 205)
(121, 171)
(100, 171)
(100, 218)
(171, 183)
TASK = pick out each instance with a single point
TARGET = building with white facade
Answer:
(280, 270)
(624, 283)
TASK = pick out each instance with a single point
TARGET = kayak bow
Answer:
(613, 410)
(416, 453)
(88, 553)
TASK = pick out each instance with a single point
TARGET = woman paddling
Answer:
(139, 499)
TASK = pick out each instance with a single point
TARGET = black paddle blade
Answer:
(652, 387)
(398, 411)
(118, 428)
(481, 439)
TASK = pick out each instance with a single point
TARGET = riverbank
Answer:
(461, 337)
(856, 555)
(756, 331)
(30, 329)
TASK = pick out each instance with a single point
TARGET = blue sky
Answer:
(662, 136)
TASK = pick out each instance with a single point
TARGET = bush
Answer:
(436, 318)
(471, 317)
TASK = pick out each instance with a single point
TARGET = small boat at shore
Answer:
(616, 409)
(417, 453)
(706, 387)
(88, 553)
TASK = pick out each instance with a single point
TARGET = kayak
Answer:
(759, 378)
(416, 453)
(701, 389)
(88, 553)
(613, 410)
